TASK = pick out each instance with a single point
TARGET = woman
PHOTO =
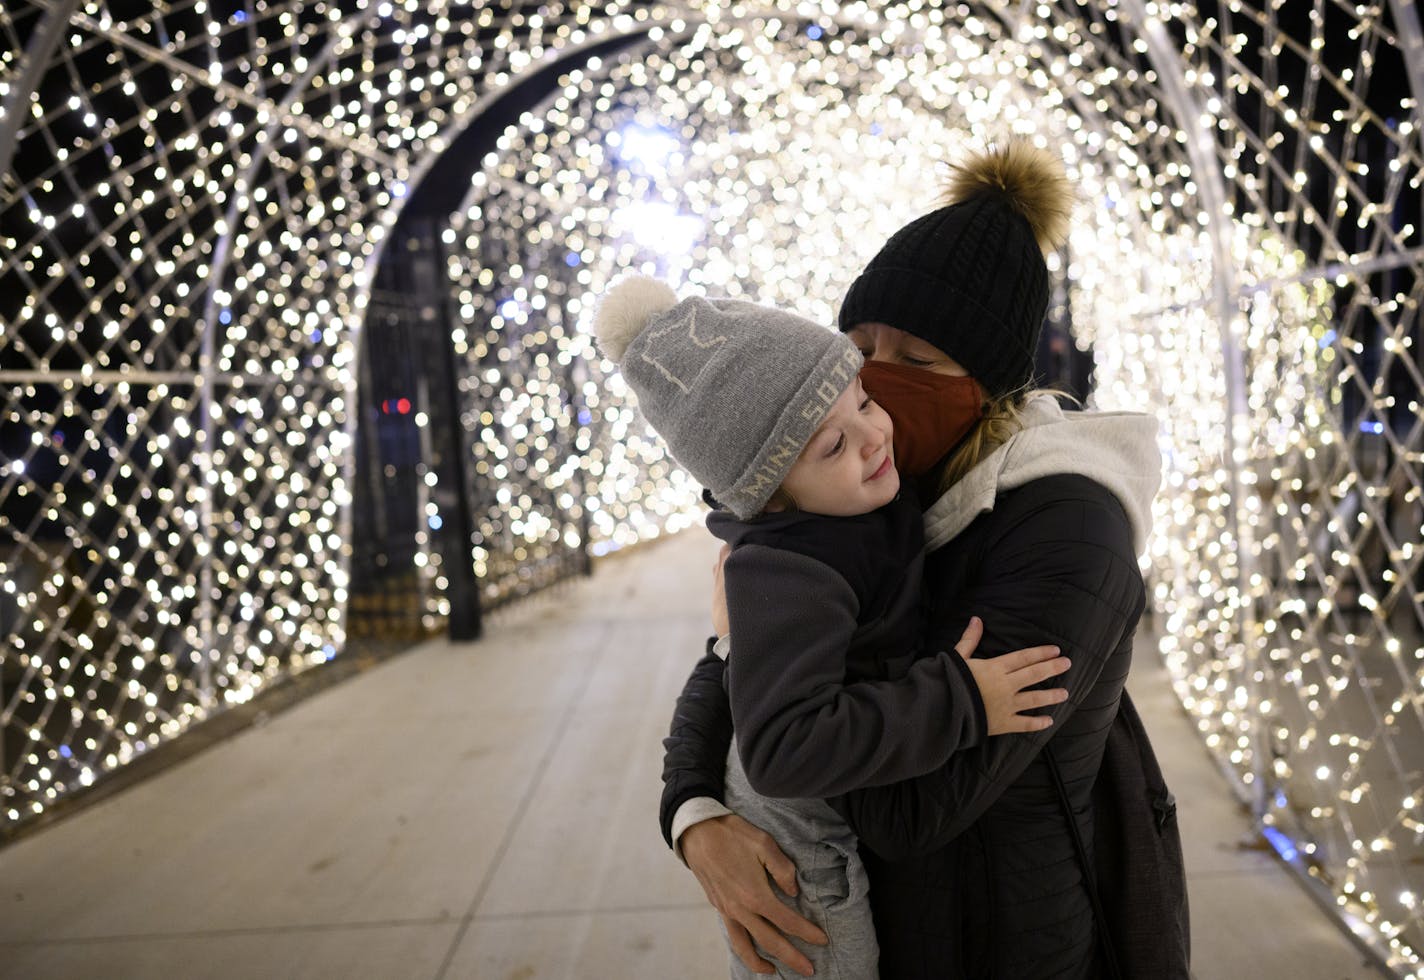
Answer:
(1037, 518)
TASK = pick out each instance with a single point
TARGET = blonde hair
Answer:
(1003, 417)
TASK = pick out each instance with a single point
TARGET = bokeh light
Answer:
(194, 199)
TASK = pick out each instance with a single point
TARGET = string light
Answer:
(187, 239)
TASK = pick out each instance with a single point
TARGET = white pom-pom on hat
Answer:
(625, 310)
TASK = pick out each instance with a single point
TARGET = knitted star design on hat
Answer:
(657, 342)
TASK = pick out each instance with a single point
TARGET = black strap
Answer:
(1090, 879)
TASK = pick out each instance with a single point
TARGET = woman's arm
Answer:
(695, 750)
(1063, 571)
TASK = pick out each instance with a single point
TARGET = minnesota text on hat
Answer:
(772, 471)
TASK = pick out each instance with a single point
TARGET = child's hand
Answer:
(1003, 681)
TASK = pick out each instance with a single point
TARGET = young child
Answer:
(828, 685)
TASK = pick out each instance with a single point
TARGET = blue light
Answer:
(1283, 845)
(1374, 428)
(585, 416)
(65, 751)
(330, 651)
(225, 315)
(1327, 339)
(315, 336)
(876, 129)
(239, 17)
(509, 308)
(435, 522)
(572, 259)
(814, 32)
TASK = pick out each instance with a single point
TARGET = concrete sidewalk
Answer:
(489, 810)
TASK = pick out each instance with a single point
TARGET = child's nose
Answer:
(871, 442)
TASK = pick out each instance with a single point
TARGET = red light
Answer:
(386, 406)
(403, 406)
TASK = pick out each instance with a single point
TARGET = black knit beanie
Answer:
(970, 277)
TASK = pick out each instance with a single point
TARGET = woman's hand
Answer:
(1003, 682)
(720, 623)
(732, 860)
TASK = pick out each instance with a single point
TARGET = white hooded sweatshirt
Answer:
(1115, 449)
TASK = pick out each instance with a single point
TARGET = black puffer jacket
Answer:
(973, 870)
(984, 838)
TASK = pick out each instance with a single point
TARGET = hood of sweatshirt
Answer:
(734, 530)
(1117, 450)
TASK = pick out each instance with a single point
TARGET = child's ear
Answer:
(781, 500)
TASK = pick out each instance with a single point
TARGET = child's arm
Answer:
(802, 731)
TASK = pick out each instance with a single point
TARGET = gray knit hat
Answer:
(736, 390)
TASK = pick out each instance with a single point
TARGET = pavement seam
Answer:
(235, 931)
(517, 818)
(601, 910)
(343, 926)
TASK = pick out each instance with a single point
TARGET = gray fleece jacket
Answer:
(827, 684)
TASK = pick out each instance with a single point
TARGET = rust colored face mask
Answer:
(931, 412)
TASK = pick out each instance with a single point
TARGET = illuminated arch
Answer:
(192, 203)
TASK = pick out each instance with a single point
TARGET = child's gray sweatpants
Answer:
(833, 890)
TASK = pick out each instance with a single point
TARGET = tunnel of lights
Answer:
(195, 198)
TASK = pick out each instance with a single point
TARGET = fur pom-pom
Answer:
(1032, 180)
(626, 309)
